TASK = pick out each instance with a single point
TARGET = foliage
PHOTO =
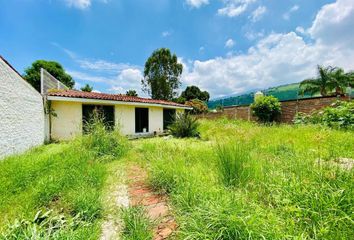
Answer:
(330, 81)
(136, 224)
(180, 100)
(198, 106)
(102, 141)
(292, 195)
(131, 93)
(266, 108)
(46, 225)
(86, 88)
(67, 178)
(193, 92)
(162, 74)
(234, 163)
(184, 126)
(339, 115)
(33, 73)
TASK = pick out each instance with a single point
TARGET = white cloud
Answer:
(258, 13)
(251, 35)
(293, 9)
(197, 3)
(81, 4)
(166, 34)
(229, 43)
(300, 30)
(128, 79)
(281, 58)
(234, 8)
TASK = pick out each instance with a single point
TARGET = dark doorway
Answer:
(106, 113)
(169, 116)
(141, 120)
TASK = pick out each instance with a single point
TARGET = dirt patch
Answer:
(155, 204)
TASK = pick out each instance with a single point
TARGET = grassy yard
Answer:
(239, 181)
(244, 181)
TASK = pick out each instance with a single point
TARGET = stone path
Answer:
(157, 209)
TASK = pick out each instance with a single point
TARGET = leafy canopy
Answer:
(162, 75)
(330, 81)
(266, 108)
(193, 92)
(33, 73)
(131, 93)
(87, 88)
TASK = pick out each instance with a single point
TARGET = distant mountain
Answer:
(283, 92)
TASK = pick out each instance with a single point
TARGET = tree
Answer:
(162, 74)
(87, 88)
(193, 92)
(330, 81)
(266, 108)
(33, 73)
(197, 105)
(131, 93)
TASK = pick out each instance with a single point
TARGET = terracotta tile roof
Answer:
(111, 97)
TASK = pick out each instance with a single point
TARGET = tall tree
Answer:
(193, 92)
(33, 73)
(131, 93)
(321, 84)
(86, 88)
(162, 75)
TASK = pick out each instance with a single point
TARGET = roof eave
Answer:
(114, 102)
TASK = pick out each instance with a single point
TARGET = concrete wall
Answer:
(68, 120)
(21, 113)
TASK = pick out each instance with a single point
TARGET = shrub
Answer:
(234, 163)
(340, 115)
(184, 126)
(198, 106)
(266, 108)
(102, 141)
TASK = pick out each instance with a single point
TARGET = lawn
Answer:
(238, 181)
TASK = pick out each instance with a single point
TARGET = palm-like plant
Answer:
(330, 81)
(321, 84)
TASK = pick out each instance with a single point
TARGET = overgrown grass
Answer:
(136, 224)
(65, 178)
(248, 181)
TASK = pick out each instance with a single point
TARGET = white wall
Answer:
(21, 113)
(68, 120)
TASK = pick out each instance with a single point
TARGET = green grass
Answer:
(136, 225)
(248, 181)
(66, 178)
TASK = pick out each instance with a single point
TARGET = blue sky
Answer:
(226, 46)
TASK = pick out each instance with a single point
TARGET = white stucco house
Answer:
(133, 115)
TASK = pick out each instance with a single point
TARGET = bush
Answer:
(184, 126)
(266, 108)
(234, 163)
(198, 106)
(102, 141)
(340, 115)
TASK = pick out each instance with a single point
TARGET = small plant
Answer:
(234, 163)
(136, 224)
(266, 108)
(184, 126)
(47, 225)
(340, 115)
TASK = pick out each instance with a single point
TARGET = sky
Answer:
(227, 47)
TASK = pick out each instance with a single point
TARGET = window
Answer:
(102, 111)
(169, 116)
(141, 120)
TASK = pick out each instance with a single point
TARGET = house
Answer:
(133, 115)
